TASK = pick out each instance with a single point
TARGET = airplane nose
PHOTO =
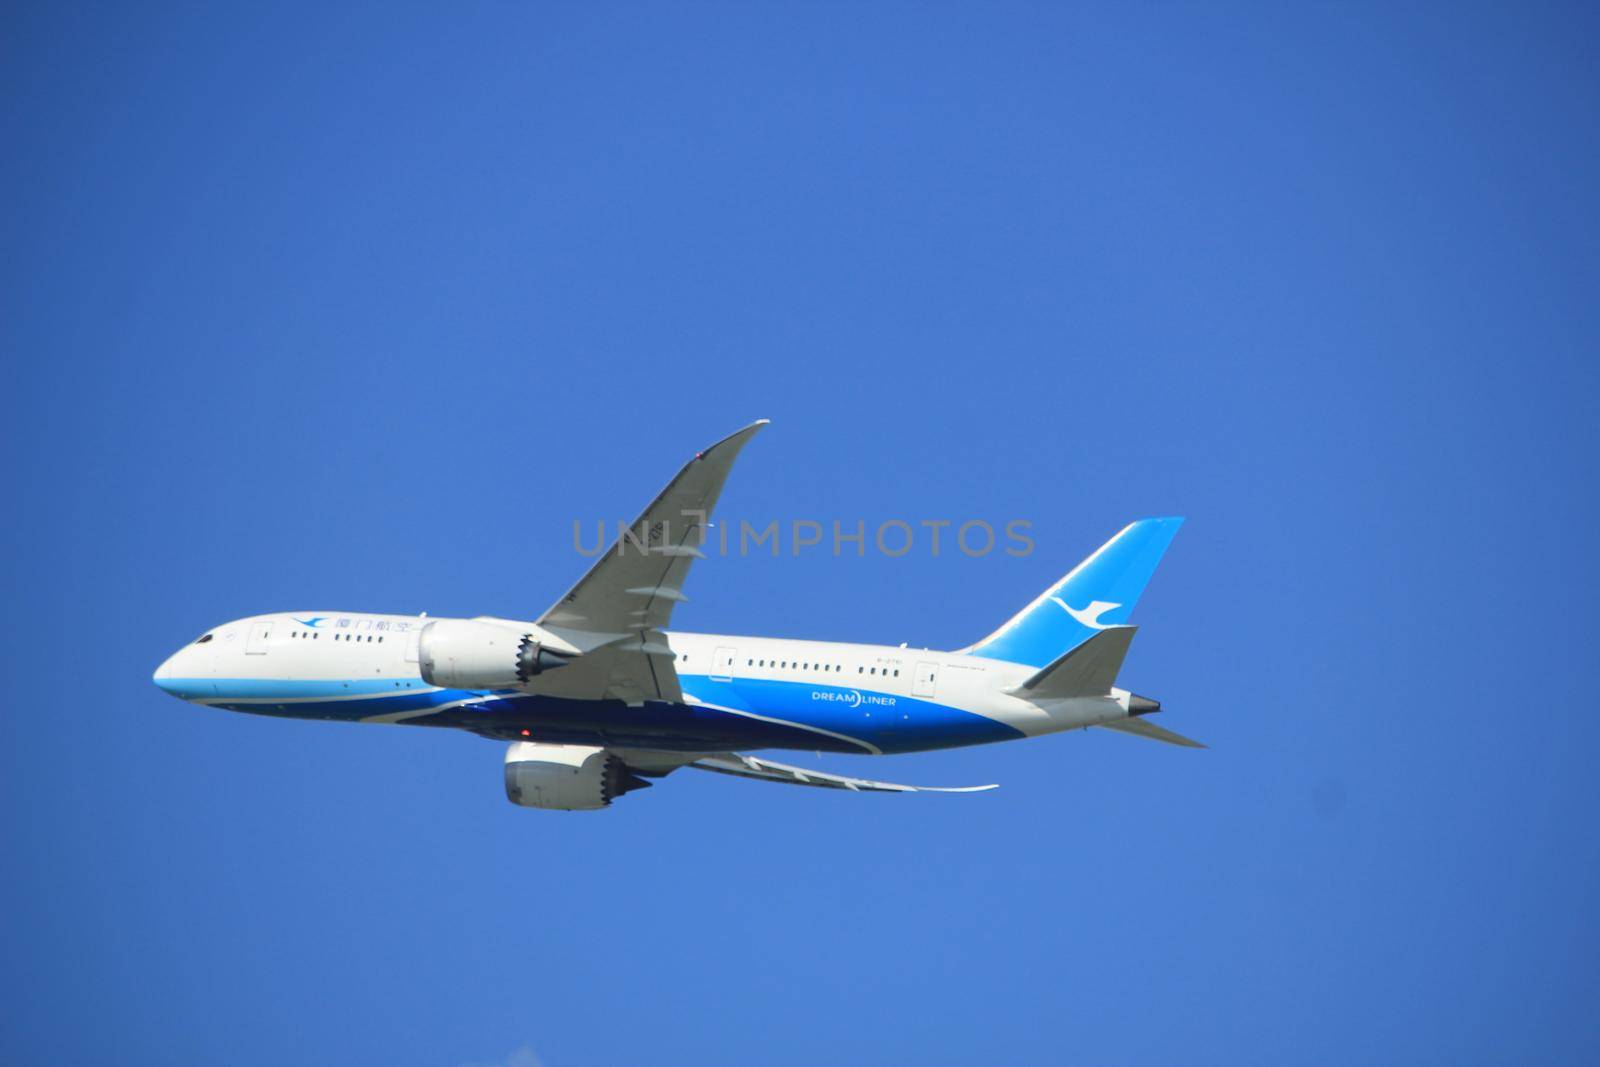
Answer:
(165, 677)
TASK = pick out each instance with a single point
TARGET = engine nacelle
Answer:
(566, 777)
(483, 654)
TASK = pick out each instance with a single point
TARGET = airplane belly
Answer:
(868, 720)
(613, 723)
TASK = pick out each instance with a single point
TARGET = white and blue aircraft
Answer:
(597, 697)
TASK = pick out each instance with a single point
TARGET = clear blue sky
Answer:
(361, 308)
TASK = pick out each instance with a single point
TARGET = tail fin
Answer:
(1099, 593)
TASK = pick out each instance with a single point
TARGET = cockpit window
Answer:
(204, 639)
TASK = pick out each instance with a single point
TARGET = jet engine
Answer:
(484, 654)
(566, 777)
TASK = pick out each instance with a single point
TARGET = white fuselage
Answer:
(754, 691)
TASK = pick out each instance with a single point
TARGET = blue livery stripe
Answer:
(739, 714)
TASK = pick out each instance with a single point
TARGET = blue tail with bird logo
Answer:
(1100, 592)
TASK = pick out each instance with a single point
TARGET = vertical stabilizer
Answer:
(1099, 593)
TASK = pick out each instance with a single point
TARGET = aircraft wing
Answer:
(634, 668)
(766, 771)
(616, 612)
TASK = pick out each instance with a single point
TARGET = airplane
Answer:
(597, 698)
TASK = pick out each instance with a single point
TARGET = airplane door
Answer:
(256, 645)
(413, 645)
(922, 684)
(722, 664)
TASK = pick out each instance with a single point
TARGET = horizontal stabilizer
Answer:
(765, 771)
(1142, 728)
(1089, 670)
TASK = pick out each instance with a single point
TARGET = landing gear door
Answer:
(260, 634)
(722, 664)
(925, 680)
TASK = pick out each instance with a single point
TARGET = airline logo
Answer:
(313, 622)
(1088, 616)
